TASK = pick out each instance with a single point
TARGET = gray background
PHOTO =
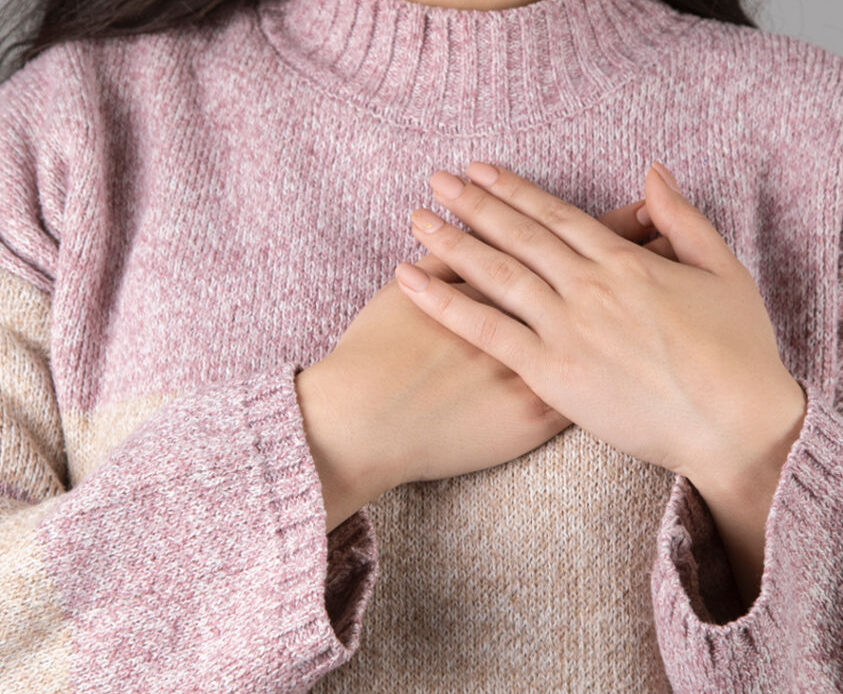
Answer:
(817, 21)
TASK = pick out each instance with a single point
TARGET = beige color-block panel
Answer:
(26, 310)
(532, 576)
(31, 427)
(90, 438)
(35, 635)
(72, 444)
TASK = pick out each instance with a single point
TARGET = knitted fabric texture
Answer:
(191, 217)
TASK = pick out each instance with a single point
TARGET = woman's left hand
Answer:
(674, 362)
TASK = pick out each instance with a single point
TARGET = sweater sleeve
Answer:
(791, 638)
(195, 556)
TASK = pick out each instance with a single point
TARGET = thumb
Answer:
(692, 236)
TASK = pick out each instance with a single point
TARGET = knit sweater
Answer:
(189, 218)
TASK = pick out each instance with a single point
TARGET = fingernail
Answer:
(661, 169)
(484, 174)
(446, 185)
(643, 216)
(426, 220)
(411, 276)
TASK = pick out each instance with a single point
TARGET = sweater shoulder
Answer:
(159, 65)
(760, 53)
(41, 87)
(788, 84)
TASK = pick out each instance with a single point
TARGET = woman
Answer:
(216, 396)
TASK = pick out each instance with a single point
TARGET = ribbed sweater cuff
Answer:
(335, 573)
(692, 584)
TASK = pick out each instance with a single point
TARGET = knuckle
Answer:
(603, 294)
(487, 331)
(517, 188)
(444, 301)
(557, 364)
(593, 290)
(631, 260)
(476, 205)
(584, 279)
(524, 232)
(502, 270)
(537, 289)
(697, 217)
(534, 292)
(556, 214)
(450, 239)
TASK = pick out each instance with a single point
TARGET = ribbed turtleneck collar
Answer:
(470, 71)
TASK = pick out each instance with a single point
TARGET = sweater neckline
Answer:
(470, 71)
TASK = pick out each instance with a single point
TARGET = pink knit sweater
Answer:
(189, 218)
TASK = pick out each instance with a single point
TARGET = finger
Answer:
(692, 236)
(624, 222)
(662, 247)
(507, 229)
(434, 266)
(485, 327)
(578, 229)
(504, 279)
(477, 295)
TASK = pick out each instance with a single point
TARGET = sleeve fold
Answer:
(274, 416)
(195, 556)
(794, 629)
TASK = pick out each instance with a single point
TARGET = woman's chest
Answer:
(244, 248)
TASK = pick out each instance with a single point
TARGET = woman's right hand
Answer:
(403, 399)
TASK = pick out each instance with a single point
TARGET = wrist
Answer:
(754, 463)
(740, 497)
(351, 472)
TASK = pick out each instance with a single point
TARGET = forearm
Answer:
(741, 523)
